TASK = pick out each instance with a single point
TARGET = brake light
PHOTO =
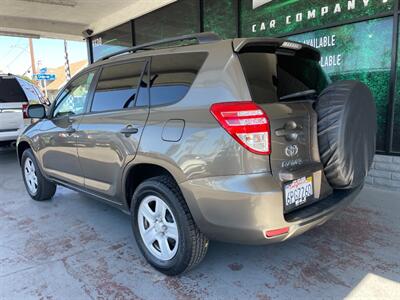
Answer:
(247, 123)
(25, 110)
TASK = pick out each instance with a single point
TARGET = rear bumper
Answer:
(241, 208)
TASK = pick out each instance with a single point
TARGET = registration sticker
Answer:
(298, 192)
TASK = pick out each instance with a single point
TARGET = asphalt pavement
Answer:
(74, 247)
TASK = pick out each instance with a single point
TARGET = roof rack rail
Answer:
(201, 38)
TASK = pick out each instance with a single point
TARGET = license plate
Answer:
(298, 193)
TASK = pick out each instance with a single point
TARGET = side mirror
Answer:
(36, 111)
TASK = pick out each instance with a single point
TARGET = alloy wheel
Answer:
(30, 176)
(158, 228)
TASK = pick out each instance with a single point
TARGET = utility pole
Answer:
(32, 53)
(66, 65)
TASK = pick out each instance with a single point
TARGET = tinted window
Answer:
(72, 100)
(118, 87)
(31, 91)
(272, 76)
(172, 76)
(10, 90)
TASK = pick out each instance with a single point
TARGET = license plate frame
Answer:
(298, 193)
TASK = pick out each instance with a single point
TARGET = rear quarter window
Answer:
(271, 76)
(172, 75)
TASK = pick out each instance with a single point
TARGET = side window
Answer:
(118, 87)
(172, 76)
(72, 100)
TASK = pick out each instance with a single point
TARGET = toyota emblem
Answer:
(291, 150)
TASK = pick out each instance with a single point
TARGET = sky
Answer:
(15, 58)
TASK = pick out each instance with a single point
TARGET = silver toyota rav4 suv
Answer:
(197, 138)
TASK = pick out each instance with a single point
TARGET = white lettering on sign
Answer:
(97, 42)
(351, 4)
(324, 10)
(332, 60)
(337, 9)
(322, 42)
(312, 13)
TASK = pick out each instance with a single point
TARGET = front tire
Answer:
(38, 187)
(164, 229)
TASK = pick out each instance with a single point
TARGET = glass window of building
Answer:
(357, 51)
(266, 18)
(360, 51)
(221, 17)
(182, 17)
(396, 108)
(112, 40)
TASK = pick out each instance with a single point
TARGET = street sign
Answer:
(43, 70)
(45, 76)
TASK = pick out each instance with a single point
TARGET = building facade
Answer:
(358, 39)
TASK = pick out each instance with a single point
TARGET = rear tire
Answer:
(38, 187)
(187, 245)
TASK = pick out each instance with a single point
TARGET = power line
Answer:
(15, 58)
(12, 49)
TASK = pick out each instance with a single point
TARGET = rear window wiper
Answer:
(302, 94)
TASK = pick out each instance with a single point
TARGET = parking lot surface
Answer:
(74, 247)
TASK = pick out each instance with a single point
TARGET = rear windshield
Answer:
(273, 76)
(11, 91)
(32, 93)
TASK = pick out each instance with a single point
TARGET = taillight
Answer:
(25, 110)
(247, 123)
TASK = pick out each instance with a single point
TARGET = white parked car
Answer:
(15, 95)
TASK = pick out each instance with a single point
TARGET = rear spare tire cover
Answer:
(346, 132)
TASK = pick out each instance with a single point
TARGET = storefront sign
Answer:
(265, 17)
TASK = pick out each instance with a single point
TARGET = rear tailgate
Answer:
(12, 98)
(284, 78)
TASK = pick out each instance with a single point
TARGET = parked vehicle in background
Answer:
(242, 140)
(15, 95)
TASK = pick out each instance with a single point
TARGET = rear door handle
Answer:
(70, 130)
(290, 131)
(128, 130)
(284, 131)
